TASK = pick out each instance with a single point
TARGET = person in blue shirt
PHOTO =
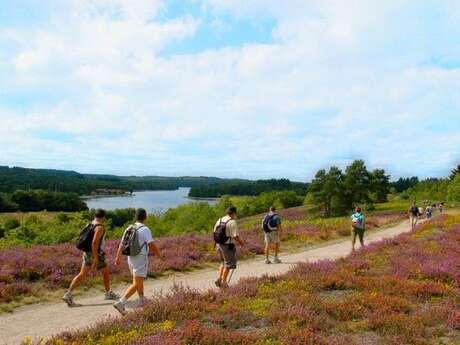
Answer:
(357, 227)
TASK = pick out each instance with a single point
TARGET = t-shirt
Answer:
(231, 230)
(145, 236)
(102, 243)
(358, 220)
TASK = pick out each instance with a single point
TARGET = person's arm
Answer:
(95, 245)
(234, 232)
(118, 257)
(239, 240)
(153, 248)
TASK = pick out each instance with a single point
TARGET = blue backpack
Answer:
(270, 223)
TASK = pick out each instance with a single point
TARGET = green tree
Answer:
(454, 172)
(453, 191)
(357, 183)
(327, 191)
(380, 185)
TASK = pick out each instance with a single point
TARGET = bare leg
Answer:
(224, 274)
(277, 249)
(221, 271)
(138, 283)
(267, 250)
(106, 278)
(79, 278)
(353, 240)
(140, 286)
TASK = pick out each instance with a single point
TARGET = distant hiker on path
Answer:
(271, 224)
(357, 228)
(441, 207)
(429, 211)
(225, 235)
(413, 215)
(136, 244)
(91, 242)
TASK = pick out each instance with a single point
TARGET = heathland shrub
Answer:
(387, 293)
(54, 263)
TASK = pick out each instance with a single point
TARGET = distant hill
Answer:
(17, 178)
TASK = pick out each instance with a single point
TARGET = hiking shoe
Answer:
(223, 285)
(120, 306)
(277, 261)
(267, 261)
(68, 298)
(110, 295)
(218, 282)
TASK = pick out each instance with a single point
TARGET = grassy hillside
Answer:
(399, 291)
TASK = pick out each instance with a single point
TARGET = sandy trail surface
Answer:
(43, 320)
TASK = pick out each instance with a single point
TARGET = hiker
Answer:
(441, 207)
(413, 215)
(271, 224)
(136, 244)
(429, 211)
(421, 211)
(92, 242)
(357, 227)
(225, 235)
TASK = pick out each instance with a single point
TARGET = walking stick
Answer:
(231, 274)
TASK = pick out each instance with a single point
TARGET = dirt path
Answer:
(43, 320)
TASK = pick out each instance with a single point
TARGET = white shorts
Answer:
(138, 265)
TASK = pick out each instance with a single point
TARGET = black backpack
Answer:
(269, 223)
(85, 239)
(220, 234)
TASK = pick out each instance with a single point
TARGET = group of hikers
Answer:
(423, 212)
(137, 245)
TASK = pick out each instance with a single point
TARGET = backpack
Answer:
(414, 210)
(220, 233)
(85, 239)
(269, 223)
(357, 222)
(130, 241)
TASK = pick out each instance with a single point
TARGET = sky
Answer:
(230, 88)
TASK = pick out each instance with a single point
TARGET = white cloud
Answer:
(340, 80)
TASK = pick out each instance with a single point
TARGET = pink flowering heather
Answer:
(26, 271)
(398, 291)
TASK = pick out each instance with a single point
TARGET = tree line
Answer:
(38, 200)
(244, 187)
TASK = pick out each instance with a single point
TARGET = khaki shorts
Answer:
(272, 237)
(227, 255)
(88, 260)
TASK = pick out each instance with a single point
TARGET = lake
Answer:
(154, 201)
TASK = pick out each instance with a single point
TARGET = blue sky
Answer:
(231, 88)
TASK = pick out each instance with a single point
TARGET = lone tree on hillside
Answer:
(336, 193)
